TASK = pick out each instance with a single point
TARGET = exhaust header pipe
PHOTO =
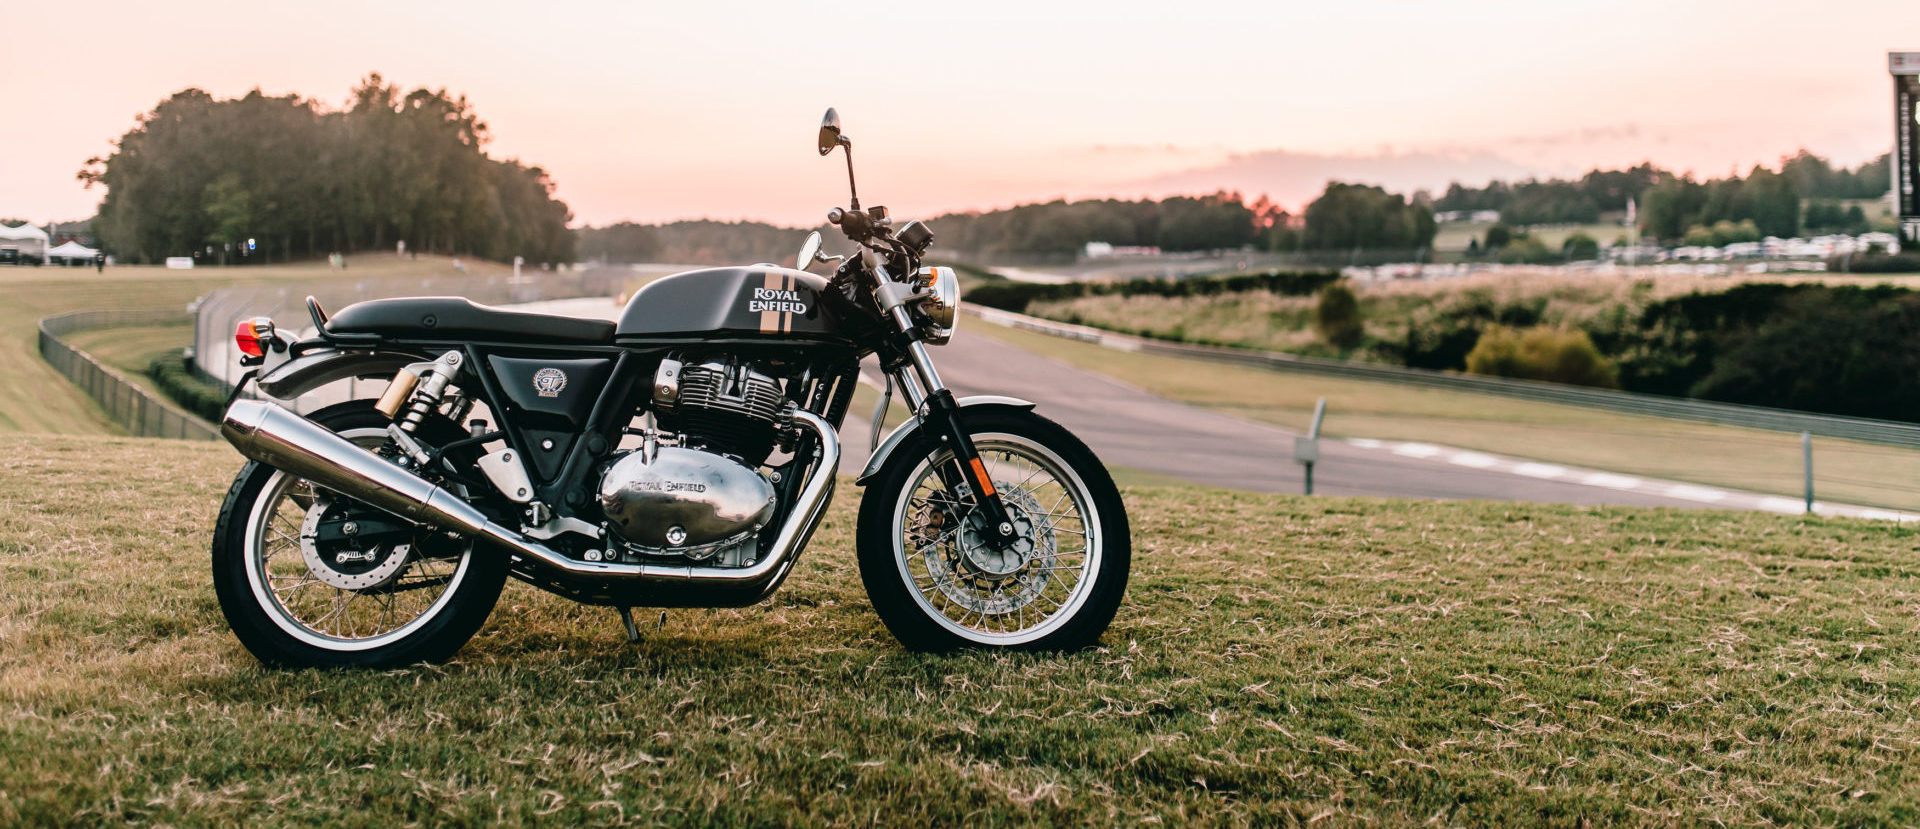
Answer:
(272, 435)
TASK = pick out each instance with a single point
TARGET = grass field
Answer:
(34, 398)
(1453, 236)
(1278, 660)
(1747, 459)
(131, 350)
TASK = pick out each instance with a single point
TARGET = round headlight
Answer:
(940, 308)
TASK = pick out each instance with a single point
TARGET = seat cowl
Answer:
(459, 318)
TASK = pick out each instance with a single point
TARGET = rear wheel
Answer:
(938, 585)
(308, 577)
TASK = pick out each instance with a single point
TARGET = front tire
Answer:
(415, 598)
(938, 587)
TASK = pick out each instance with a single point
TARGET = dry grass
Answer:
(1279, 660)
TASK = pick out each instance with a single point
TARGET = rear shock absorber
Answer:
(419, 388)
(432, 386)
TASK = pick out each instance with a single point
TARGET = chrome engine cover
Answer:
(674, 500)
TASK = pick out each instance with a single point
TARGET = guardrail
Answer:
(1885, 432)
(132, 407)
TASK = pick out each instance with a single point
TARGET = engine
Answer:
(702, 499)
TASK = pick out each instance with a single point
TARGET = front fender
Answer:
(905, 430)
(321, 366)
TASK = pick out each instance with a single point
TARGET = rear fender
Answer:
(320, 366)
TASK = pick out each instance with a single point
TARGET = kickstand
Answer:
(633, 630)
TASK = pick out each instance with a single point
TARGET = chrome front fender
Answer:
(903, 431)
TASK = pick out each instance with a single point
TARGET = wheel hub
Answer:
(349, 551)
(974, 574)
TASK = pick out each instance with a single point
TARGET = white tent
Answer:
(27, 240)
(72, 250)
(22, 232)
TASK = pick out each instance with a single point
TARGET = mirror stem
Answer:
(853, 204)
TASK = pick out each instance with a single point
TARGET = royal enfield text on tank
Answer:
(681, 457)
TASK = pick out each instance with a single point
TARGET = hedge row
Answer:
(1015, 296)
(1876, 263)
(178, 383)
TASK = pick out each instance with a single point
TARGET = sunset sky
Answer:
(652, 111)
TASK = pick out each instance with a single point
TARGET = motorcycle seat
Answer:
(459, 318)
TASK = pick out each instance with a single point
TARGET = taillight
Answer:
(253, 336)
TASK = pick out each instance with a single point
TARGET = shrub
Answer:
(1876, 263)
(1581, 247)
(1527, 250)
(1541, 353)
(1839, 351)
(176, 380)
(1337, 316)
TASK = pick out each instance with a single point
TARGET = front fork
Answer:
(933, 402)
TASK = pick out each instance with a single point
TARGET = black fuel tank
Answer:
(737, 303)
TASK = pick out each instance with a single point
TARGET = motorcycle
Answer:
(680, 457)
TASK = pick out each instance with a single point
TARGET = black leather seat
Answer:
(459, 318)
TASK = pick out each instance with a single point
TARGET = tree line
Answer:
(698, 242)
(1676, 207)
(1345, 216)
(273, 178)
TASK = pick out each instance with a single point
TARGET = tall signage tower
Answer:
(1905, 67)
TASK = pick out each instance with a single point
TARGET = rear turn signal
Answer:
(253, 336)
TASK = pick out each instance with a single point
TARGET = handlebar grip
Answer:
(835, 215)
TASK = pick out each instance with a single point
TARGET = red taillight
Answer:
(252, 336)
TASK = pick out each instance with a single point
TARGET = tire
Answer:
(910, 524)
(246, 566)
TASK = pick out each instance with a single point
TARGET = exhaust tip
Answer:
(243, 419)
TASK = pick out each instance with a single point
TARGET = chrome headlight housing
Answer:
(938, 308)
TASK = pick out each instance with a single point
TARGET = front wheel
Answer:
(938, 585)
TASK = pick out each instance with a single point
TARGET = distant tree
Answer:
(1525, 249)
(1498, 236)
(1359, 216)
(1336, 315)
(1580, 247)
(299, 179)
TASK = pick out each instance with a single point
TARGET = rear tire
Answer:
(277, 606)
(937, 589)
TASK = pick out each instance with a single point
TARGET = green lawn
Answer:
(1279, 660)
(1748, 459)
(1453, 236)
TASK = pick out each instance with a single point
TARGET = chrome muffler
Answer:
(268, 433)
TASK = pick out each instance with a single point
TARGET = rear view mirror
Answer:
(829, 131)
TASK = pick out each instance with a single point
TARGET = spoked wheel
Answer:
(308, 577)
(938, 584)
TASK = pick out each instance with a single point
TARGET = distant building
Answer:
(23, 245)
(1103, 250)
(1482, 216)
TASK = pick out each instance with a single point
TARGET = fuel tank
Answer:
(737, 303)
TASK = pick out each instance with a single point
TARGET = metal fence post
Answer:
(1806, 455)
(1306, 450)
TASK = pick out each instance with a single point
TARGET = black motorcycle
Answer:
(680, 458)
